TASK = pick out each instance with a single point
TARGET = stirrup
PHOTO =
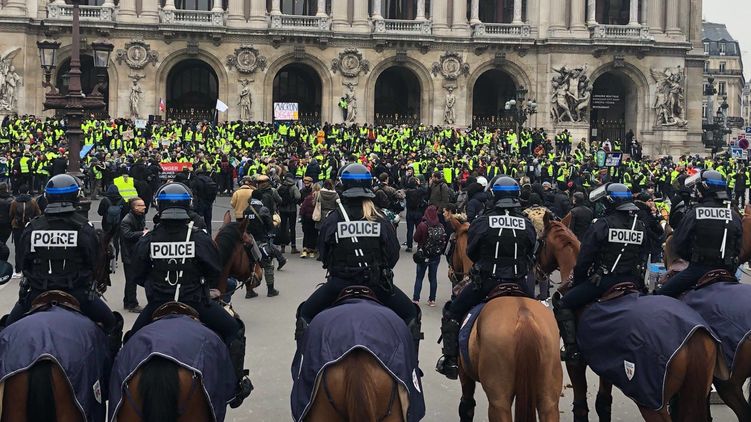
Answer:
(244, 388)
(448, 367)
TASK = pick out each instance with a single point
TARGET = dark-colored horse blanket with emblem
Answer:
(190, 345)
(352, 324)
(631, 340)
(71, 340)
(725, 307)
(466, 331)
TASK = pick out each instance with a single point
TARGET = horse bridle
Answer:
(330, 398)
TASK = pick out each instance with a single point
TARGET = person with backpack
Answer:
(112, 209)
(431, 242)
(6, 199)
(416, 201)
(22, 210)
(205, 190)
(290, 195)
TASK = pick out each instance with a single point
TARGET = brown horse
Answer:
(162, 391)
(688, 377)
(40, 394)
(460, 262)
(234, 257)
(357, 388)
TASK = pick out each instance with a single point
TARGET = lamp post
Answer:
(74, 103)
(520, 109)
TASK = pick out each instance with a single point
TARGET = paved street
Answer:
(270, 325)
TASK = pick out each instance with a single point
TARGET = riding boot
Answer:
(300, 328)
(115, 335)
(415, 326)
(237, 357)
(448, 364)
(604, 407)
(567, 325)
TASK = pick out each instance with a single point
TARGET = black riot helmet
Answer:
(62, 193)
(506, 192)
(615, 196)
(357, 182)
(709, 183)
(173, 201)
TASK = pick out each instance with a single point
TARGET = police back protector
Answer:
(713, 230)
(621, 254)
(174, 262)
(56, 257)
(358, 248)
(505, 245)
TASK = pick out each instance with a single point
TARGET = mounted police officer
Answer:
(261, 226)
(58, 251)
(613, 251)
(501, 243)
(709, 236)
(358, 246)
(179, 262)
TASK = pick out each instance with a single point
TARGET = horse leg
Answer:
(467, 403)
(578, 375)
(604, 401)
(731, 391)
(14, 399)
(652, 416)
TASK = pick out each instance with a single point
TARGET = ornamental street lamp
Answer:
(520, 108)
(74, 104)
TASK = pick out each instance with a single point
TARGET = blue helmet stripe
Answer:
(174, 197)
(715, 182)
(356, 176)
(62, 190)
(512, 188)
(620, 194)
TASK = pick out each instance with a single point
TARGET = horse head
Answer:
(559, 249)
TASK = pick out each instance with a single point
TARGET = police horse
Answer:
(688, 374)
(459, 262)
(160, 389)
(513, 352)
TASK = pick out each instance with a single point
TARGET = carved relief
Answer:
(669, 96)
(10, 81)
(451, 66)
(572, 94)
(246, 60)
(350, 63)
(137, 54)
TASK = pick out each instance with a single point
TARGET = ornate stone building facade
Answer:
(600, 68)
(725, 65)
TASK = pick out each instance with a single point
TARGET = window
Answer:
(196, 4)
(722, 88)
(704, 111)
(723, 65)
(706, 47)
(303, 7)
(723, 48)
(706, 66)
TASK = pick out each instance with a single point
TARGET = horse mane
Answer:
(227, 239)
(562, 235)
(459, 224)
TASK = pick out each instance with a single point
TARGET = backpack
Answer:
(21, 217)
(210, 189)
(436, 241)
(285, 192)
(112, 217)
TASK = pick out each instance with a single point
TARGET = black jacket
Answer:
(131, 230)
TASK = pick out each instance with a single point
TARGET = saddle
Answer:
(619, 290)
(506, 290)
(174, 308)
(356, 292)
(715, 276)
(52, 298)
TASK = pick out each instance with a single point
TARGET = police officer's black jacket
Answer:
(58, 267)
(151, 273)
(699, 236)
(260, 222)
(345, 258)
(493, 250)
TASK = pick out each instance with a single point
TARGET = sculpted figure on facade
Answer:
(351, 108)
(572, 94)
(669, 96)
(137, 54)
(134, 99)
(10, 80)
(246, 100)
(449, 115)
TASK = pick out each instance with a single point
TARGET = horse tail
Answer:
(40, 402)
(527, 357)
(160, 389)
(358, 382)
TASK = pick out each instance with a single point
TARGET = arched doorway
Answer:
(489, 95)
(397, 97)
(88, 79)
(192, 91)
(299, 83)
(613, 109)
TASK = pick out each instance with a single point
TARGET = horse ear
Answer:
(567, 220)
(244, 224)
(546, 219)
(227, 217)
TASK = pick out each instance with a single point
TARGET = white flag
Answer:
(221, 106)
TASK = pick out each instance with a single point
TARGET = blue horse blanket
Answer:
(725, 307)
(190, 345)
(350, 325)
(631, 340)
(71, 340)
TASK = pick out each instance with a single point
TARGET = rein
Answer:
(330, 398)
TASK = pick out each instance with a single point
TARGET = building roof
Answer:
(715, 32)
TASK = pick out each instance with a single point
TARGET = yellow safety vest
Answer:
(127, 189)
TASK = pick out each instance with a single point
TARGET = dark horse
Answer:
(163, 391)
(689, 374)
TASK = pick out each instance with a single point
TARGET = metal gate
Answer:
(609, 129)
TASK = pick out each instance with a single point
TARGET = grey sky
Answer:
(736, 14)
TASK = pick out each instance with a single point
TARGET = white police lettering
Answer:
(632, 237)
(706, 213)
(53, 239)
(173, 250)
(358, 229)
(506, 222)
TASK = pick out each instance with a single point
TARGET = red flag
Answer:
(162, 105)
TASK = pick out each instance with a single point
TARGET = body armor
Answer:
(56, 258)
(712, 221)
(621, 254)
(505, 245)
(358, 249)
(172, 251)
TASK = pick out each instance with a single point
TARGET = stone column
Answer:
(475, 12)
(321, 8)
(217, 6)
(656, 16)
(15, 8)
(169, 5)
(149, 11)
(577, 15)
(518, 12)
(439, 15)
(339, 17)
(127, 10)
(276, 7)
(672, 11)
(375, 14)
(633, 13)
(460, 16)
(420, 16)
(236, 13)
(558, 16)
(360, 16)
(257, 17)
(592, 12)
